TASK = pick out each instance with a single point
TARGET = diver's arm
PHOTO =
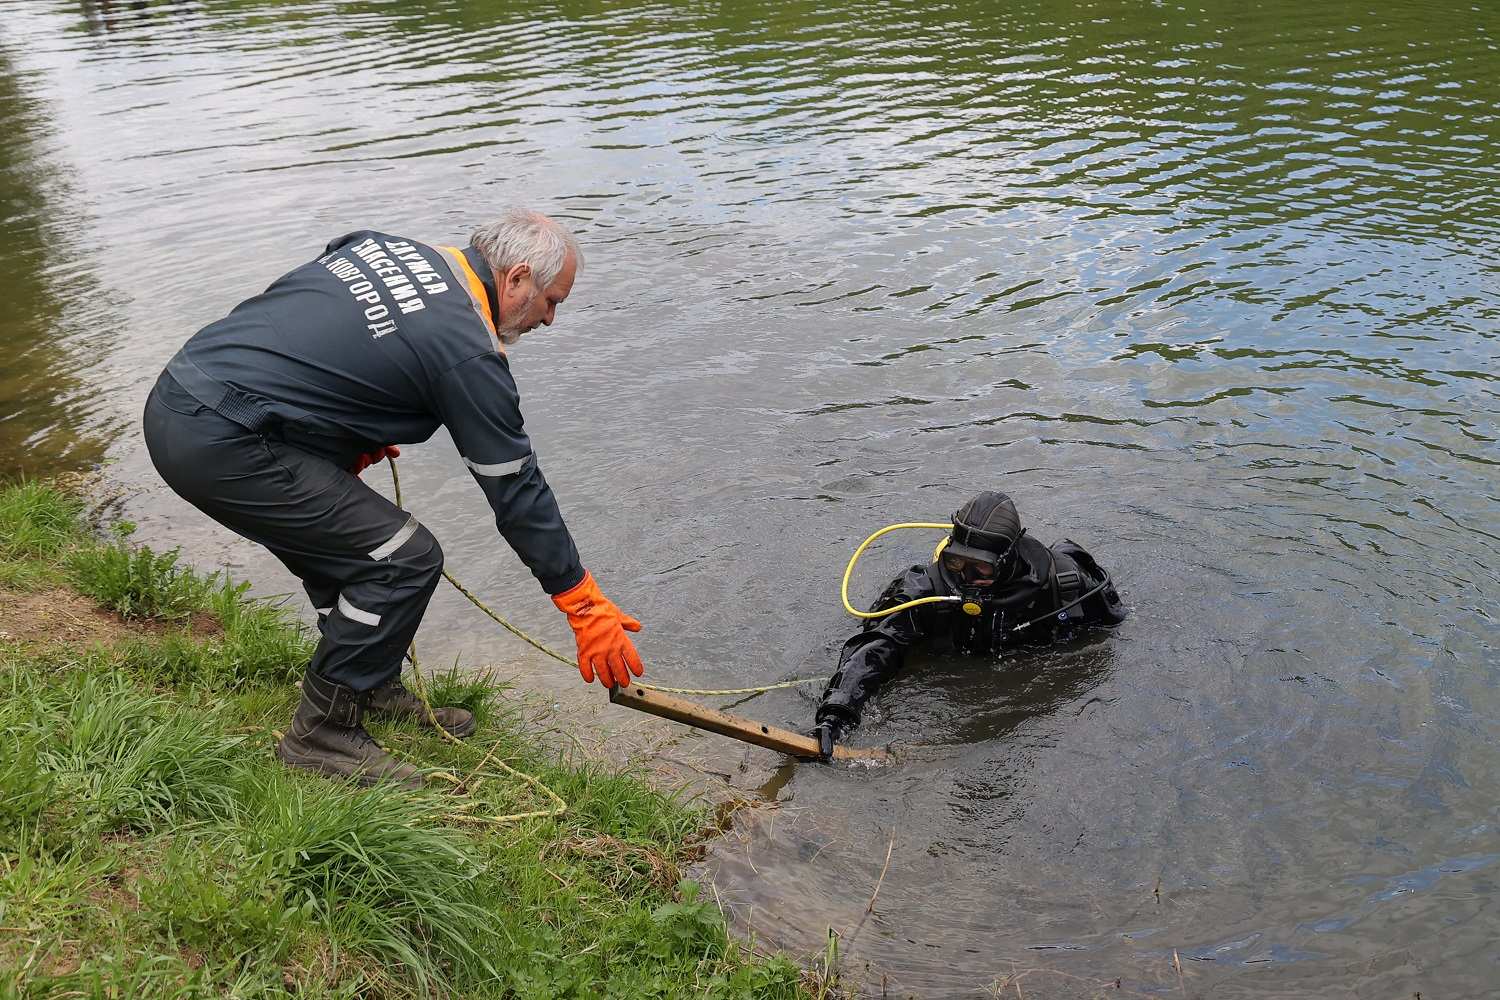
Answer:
(875, 655)
(1103, 606)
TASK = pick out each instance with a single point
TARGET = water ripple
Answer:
(1213, 292)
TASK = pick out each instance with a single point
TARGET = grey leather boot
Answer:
(326, 736)
(394, 701)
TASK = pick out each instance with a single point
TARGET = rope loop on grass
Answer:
(478, 774)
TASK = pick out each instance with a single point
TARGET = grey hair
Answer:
(521, 236)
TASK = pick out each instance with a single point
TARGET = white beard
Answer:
(510, 334)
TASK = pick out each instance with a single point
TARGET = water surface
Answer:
(1211, 289)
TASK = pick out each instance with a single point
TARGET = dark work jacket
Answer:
(380, 341)
(1045, 581)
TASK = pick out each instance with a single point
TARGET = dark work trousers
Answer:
(368, 566)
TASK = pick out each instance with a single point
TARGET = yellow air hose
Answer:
(849, 571)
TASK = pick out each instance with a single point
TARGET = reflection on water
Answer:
(45, 413)
(1210, 289)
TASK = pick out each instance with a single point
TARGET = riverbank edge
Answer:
(151, 845)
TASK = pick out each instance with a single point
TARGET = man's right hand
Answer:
(599, 628)
(369, 458)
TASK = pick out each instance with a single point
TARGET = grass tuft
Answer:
(129, 758)
(37, 521)
(478, 692)
(376, 870)
(25, 788)
(136, 582)
(259, 643)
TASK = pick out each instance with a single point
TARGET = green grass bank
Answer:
(151, 845)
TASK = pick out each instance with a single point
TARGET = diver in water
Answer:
(989, 587)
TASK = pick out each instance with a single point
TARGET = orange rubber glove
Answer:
(603, 647)
(369, 458)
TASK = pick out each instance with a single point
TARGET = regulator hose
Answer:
(1071, 604)
(849, 570)
(937, 599)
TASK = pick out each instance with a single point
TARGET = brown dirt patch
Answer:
(121, 886)
(62, 617)
(117, 890)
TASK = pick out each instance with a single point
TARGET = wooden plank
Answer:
(690, 713)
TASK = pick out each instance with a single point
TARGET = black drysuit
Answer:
(1036, 597)
(379, 341)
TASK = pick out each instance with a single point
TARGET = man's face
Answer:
(524, 306)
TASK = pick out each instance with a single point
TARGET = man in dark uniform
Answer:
(991, 586)
(264, 419)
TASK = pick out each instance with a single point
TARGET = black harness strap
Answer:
(1066, 586)
(223, 399)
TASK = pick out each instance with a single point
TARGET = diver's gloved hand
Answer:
(827, 734)
(370, 458)
(599, 628)
(829, 730)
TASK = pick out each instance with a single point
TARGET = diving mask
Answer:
(976, 567)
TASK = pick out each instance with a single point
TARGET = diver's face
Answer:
(973, 572)
(979, 575)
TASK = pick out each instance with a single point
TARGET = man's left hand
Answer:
(369, 458)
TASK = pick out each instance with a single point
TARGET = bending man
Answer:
(264, 419)
(1008, 587)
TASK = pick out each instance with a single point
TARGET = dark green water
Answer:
(1212, 289)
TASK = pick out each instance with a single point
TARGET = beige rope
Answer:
(478, 774)
(718, 691)
(475, 776)
(705, 692)
(470, 783)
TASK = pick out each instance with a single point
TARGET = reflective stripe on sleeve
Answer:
(400, 538)
(324, 611)
(356, 614)
(500, 468)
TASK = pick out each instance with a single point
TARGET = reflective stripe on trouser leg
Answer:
(375, 618)
(393, 544)
(348, 610)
